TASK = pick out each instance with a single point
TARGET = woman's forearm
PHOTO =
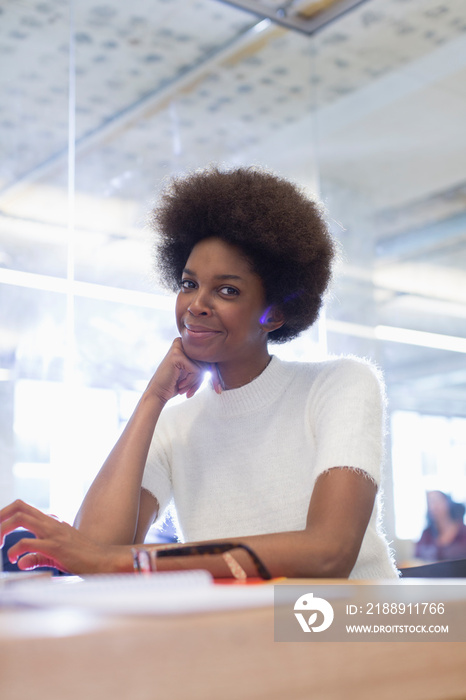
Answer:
(296, 554)
(109, 512)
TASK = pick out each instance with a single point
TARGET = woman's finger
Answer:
(17, 507)
(192, 388)
(35, 560)
(216, 378)
(20, 514)
(27, 545)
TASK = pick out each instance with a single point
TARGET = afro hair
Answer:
(281, 231)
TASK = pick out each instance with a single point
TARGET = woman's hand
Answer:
(58, 544)
(179, 374)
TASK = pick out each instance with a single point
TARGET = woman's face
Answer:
(437, 504)
(221, 306)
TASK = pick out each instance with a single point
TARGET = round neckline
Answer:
(260, 391)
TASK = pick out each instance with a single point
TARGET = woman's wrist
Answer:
(115, 559)
(86, 556)
(154, 397)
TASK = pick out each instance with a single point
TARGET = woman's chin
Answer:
(199, 355)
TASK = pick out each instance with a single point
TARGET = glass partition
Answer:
(391, 149)
(34, 219)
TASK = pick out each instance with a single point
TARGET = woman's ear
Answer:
(272, 318)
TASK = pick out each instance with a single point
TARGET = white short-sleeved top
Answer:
(245, 462)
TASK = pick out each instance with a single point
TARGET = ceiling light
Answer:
(393, 334)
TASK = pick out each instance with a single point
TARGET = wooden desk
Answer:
(229, 655)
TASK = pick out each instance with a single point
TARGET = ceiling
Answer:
(102, 101)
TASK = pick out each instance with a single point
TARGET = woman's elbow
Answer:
(338, 566)
(326, 562)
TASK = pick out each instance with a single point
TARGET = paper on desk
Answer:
(163, 593)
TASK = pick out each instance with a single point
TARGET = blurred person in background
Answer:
(445, 535)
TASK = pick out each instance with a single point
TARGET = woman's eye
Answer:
(187, 284)
(229, 291)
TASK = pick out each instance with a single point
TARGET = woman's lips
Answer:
(200, 332)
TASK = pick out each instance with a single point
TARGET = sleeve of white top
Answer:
(347, 410)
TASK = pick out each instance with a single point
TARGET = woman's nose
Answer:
(199, 305)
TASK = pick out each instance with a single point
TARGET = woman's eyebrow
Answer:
(228, 277)
(187, 271)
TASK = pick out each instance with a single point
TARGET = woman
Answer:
(445, 535)
(282, 458)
